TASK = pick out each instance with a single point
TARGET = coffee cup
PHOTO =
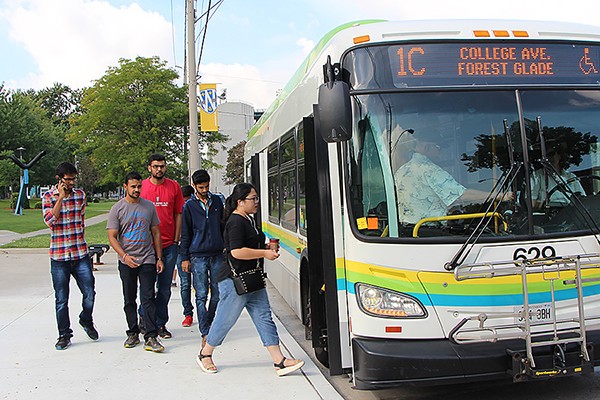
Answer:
(274, 244)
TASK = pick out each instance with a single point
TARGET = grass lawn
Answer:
(32, 220)
(94, 234)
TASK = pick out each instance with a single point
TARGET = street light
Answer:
(21, 150)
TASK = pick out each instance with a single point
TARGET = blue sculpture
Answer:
(25, 180)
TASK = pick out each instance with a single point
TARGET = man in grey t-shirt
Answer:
(134, 234)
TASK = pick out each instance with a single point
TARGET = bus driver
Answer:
(423, 188)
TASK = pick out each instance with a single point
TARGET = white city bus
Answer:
(434, 185)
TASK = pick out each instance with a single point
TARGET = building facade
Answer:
(235, 120)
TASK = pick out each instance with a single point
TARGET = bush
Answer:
(37, 205)
(13, 201)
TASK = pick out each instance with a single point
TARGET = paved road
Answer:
(32, 369)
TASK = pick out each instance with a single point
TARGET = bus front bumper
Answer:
(380, 364)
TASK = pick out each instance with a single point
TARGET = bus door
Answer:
(254, 179)
(323, 294)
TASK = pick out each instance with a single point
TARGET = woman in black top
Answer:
(245, 245)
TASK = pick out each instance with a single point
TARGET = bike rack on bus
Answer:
(558, 332)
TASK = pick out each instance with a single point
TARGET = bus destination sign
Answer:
(489, 64)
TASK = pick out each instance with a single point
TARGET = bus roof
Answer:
(345, 36)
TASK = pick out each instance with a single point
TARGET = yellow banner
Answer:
(207, 104)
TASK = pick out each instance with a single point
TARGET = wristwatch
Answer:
(159, 259)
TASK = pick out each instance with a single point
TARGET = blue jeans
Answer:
(230, 308)
(163, 286)
(185, 289)
(61, 275)
(203, 270)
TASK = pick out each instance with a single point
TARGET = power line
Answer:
(204, 34)
(203, 31)
(246, 78)
(173, 35)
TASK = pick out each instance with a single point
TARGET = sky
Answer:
(251, 47)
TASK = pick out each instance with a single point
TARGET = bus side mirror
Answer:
(334, 116)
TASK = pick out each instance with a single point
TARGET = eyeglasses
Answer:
(162, 166)
(254, 199)
(70, 179)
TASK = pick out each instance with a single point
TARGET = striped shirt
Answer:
(67, 242)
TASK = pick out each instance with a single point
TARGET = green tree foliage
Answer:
(134, 110)
(492, 150)
(213, 142)
(88, 175)
(24, 123)
(234, 172)
(60, 102)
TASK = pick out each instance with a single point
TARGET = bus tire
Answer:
(322, 355)
(305, 298)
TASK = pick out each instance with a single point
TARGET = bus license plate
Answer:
(537, 313)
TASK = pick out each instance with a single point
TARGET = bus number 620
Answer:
(534, 252)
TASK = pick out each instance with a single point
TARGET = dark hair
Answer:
(132, 176)
(200, 176)
(65, 168)
(187, 190)
(155, 157)
(240, 192)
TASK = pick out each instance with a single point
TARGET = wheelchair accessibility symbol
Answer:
(586, 64)
(207, 100)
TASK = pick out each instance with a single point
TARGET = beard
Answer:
(158, 175)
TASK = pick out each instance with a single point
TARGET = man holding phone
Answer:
(63, 208)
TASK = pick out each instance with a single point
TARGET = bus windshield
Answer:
(436, 164)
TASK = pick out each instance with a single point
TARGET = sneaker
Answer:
(90, 331)
(141, 325)
(63, 342)
(133, 339)
(152, 344)
(164, 333)
(187, 321)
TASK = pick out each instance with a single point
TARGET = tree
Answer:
(134, 110)
(24, 123)
(234, 172)
(60, 102)
(88, 174)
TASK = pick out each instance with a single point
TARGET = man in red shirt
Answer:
(166, 195)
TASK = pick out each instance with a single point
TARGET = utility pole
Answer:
(194, 162)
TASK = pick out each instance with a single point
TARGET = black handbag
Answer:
(248, 281)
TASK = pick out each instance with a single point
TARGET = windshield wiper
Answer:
(507, 180)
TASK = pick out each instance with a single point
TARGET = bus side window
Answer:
(273, 182)
(302, 223)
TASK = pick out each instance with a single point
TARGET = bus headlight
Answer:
(387, 303)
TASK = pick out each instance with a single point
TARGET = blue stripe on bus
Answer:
(283, 246)
(489, 301)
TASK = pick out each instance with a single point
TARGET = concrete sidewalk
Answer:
(32, 369)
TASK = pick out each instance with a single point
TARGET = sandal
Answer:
(208, 369)
(283, 370)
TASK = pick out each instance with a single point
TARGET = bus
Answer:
(435, 188)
